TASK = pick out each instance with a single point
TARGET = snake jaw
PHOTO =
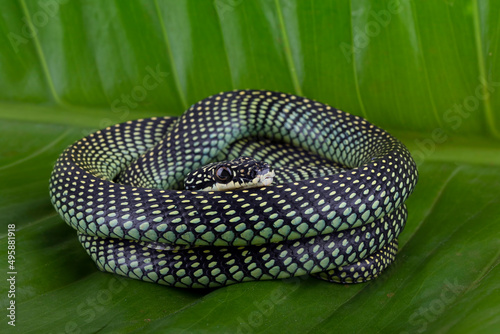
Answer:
(262, 180)
(265, 179)
(241, 173)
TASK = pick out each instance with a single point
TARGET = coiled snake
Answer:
(122, 189)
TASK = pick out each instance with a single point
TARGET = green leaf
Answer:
(428, 71)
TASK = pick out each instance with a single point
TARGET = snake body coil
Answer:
(121, 189)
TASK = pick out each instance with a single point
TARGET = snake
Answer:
(149, 197)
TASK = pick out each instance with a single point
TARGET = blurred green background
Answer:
(427, 71)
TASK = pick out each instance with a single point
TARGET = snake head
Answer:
(240, 173)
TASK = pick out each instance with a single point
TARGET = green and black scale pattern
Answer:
(115, 188)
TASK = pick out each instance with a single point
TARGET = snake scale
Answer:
(122, 189)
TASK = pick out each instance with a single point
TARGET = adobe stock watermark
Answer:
(93, 306)
(138, 93)
(361, 37)
(130, 100)
(226, 6)
(48, 9)
(265, 308)
(454, 117)
(429, 312)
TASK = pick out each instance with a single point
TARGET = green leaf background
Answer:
(427, 71)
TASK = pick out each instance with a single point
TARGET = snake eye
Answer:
(223, 174)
